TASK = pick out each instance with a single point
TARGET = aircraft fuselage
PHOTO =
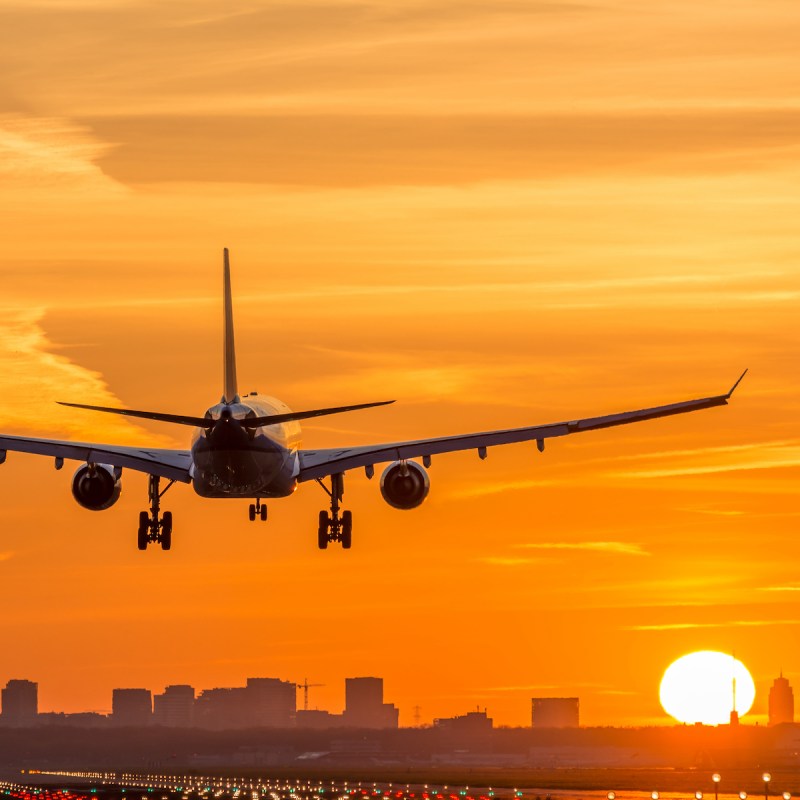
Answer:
(233, 461)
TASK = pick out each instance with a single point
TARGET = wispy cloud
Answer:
(50, 150)
(35, 377)
(621, 548)
(7, 555)
(756, 456)
(790, 589)
(487, 489)
(508, 561)
(741, 623)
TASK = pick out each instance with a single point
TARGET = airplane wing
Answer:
(171, 464)
(321, 463)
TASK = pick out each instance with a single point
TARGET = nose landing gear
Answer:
(153, 526)
(333, 526)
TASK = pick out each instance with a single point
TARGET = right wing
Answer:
(321, 463)
(171, 464)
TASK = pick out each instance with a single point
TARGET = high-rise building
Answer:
(555, 712)
(222, 708)
(131, 708)
(20, 700)
(364, 706)
(174, 708)
(272, 702)
(781, 702)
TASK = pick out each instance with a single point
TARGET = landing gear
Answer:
(153, 527)
(257, 509)
(334, 527)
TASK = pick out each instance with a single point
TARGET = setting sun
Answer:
(703, 687)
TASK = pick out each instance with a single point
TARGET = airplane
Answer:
(248, 447)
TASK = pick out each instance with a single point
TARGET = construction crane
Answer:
(305, 686)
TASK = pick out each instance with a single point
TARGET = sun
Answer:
(700, 687)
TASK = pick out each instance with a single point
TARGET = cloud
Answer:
(681, 626)
(7, 555)
(757, 456)
(423, 150)
(49, 151)
(488, 489)
(34, 378)
(510, 561)
(621, 548)
(779, 588)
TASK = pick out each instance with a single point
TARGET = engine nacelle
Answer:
(405, 484)
(96, 486)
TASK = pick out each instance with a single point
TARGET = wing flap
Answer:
(170, 464)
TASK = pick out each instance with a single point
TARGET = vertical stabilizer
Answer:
(230, 392)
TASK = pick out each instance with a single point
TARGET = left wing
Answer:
(320, 463)
(172, 464)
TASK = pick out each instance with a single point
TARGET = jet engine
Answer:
(405, 484)
(96, 486)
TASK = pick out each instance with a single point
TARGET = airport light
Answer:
(654, 795)
(611, 796)
(766, 777)
(742, 795)
(716, 777)
(698, 795)
(787, 796)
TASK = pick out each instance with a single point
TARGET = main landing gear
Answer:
(257, 510)
(335, 527)
(153, 526)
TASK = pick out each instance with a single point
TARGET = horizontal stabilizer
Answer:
(207, 422)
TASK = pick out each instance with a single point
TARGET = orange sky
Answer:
(500, 213)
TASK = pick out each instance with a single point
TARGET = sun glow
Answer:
(705, 686)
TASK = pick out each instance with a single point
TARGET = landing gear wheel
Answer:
(252, 512)
(347, 529)
(144, 530)
(166, 530)
(322, 531)
(153, 526)
(263, 513)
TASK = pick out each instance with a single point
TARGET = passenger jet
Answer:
(249, 447)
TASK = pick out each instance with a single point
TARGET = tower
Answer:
(20, 703)
(781, 702)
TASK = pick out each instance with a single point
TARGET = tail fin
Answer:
(230, 392)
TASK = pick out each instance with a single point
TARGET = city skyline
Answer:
(498, 214)
(363, 706)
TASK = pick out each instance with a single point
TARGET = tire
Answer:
(322, 531)
(166, 531)
(252, 512)
(263, 513)
(144, 529)
(347, 529)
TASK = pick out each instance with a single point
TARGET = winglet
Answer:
(230, 391)
(733, 388)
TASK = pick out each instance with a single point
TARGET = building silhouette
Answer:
(781, 702)
(20, 703)
(222, 708)
(555, 712)
(131, 708)
(364, 706)
(273, 702)
(472, 731)
(175, 707)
